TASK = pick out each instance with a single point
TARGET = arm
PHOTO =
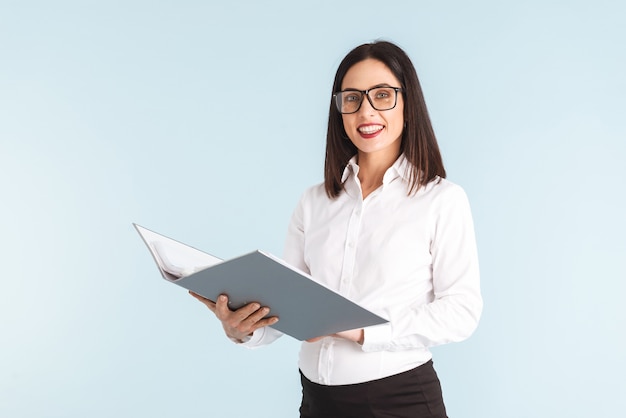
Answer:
(456, 306)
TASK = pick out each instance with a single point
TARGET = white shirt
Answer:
(410, 259)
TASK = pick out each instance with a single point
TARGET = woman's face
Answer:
(374, 132)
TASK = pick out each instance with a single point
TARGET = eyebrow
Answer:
(373, 87)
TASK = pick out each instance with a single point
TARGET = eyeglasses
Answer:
(381, 98)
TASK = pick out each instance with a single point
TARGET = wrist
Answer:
(241, 340)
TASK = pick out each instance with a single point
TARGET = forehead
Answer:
(368, 73)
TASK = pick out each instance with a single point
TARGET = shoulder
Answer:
(446, 200)
(444, 190)
(449, 203)
(313, 196)
(315, 192)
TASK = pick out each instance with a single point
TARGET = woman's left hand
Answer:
(355, 335)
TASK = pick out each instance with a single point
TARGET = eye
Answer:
(382, 94)
(351, 97)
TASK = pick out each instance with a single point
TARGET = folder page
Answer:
(175, 259)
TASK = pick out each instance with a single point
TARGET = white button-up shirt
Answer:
(409, 258)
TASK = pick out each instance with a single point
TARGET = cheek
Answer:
(396, 127)
(399, 120)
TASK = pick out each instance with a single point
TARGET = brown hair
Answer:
(419, 143)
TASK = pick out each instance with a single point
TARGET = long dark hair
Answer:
(419, 143)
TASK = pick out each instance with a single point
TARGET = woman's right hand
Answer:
(240, 323)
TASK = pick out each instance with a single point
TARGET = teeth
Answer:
(370, 129)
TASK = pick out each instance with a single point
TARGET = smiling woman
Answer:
(375, 130)
(380, 64)
(388, 231)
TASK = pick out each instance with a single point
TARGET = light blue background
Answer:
(206, 120)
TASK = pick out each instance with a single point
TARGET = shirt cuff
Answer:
(377, 338)
(251, 341)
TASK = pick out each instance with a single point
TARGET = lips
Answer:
(370, 130)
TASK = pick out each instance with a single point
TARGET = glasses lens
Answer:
(382, 98)
(348, 101)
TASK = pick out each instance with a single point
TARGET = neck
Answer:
(372, 168)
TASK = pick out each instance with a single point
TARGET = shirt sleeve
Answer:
(294, 243)
(456, 307)
(261, 337)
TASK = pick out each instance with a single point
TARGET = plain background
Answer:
(205, 121)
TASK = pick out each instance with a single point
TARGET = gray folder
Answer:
(306, 308)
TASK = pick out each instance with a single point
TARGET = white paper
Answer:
(175, 259)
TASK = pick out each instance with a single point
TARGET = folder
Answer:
(305, 307)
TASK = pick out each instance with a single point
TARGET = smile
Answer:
(370, 129)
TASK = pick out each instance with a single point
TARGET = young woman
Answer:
(386, 230)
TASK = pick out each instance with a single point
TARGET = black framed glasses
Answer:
(381, 98)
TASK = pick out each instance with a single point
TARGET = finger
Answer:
(250, 318)
(237, 315)
(199, 297)
(355, 335)
(266, 322)
(312, 340)
(249, 315)
(258, 314)
(233, 318)
(256, 321)
(259, 318)
(221, 307)
(208, 302)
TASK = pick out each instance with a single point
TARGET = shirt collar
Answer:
(351, 168)
(400, 168)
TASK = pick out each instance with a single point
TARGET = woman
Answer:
(386, 230)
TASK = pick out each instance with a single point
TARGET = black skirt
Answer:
(412, 394)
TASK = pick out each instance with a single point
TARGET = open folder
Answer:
(305, 308)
